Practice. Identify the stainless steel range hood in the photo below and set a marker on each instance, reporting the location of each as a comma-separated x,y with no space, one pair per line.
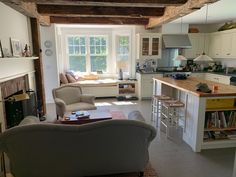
175,41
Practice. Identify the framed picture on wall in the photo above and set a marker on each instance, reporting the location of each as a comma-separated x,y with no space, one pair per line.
15,47
1,51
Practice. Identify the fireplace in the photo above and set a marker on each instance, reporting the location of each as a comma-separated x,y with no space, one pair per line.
15,111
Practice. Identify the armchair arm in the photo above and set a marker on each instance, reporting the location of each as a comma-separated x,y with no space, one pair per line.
60,107
87,98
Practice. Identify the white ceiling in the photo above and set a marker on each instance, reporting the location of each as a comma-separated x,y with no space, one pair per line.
218,12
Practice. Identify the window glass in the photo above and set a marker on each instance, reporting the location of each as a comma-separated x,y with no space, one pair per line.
94,60
123,54
98,53
77,51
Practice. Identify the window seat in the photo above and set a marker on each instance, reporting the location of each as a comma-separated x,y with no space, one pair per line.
99,88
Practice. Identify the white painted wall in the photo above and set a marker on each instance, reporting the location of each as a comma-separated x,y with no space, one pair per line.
50,64
13,25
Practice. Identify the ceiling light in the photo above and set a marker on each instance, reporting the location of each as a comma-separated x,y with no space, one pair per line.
203,56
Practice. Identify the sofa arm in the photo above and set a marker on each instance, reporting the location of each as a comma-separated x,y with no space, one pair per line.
87,98
136,115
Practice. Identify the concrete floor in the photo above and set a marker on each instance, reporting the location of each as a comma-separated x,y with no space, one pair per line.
172,159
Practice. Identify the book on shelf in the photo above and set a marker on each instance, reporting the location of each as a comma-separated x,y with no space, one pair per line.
220,119
230,134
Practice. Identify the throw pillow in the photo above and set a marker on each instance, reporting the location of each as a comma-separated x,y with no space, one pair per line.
70,78
63,79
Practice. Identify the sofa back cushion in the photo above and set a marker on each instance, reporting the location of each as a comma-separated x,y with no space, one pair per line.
78,150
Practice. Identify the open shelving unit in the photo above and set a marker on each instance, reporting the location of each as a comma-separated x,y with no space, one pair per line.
220,125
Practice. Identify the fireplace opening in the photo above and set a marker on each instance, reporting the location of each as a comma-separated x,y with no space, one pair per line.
15,111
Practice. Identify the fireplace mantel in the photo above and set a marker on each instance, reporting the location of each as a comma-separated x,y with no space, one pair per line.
19,58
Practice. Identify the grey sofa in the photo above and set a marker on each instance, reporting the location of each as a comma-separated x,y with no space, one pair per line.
57,150
70,98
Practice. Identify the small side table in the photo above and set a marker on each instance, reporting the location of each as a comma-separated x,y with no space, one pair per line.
2,159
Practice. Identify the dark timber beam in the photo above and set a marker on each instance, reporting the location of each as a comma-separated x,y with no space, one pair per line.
120,3
27,8
99,20
172,13
38,65
59,10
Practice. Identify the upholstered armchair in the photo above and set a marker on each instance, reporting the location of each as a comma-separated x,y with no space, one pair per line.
70,98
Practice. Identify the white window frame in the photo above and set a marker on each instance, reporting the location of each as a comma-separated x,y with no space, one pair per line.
87,48
111,31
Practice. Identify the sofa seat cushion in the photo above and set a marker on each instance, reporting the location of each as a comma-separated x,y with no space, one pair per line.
80,106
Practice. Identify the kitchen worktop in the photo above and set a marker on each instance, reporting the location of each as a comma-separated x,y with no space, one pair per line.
210,72
189,85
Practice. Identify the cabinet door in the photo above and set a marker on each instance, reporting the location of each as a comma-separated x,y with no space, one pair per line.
198,75
145,46
199,44
215,46
155,46
226,50
149,46
233,51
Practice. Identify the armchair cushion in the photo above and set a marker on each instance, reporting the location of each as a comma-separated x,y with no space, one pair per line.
87,98
80,106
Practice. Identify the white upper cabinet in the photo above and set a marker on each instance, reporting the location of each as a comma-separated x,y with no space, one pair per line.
197,40
215,45
222,44
148,46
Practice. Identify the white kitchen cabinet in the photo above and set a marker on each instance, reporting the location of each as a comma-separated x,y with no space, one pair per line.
222,44
215,45
218,78
148,46
197,42
213,77
145,85
198,75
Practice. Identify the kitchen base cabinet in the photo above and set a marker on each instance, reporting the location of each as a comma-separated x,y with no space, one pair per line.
213,77
207,125
145,85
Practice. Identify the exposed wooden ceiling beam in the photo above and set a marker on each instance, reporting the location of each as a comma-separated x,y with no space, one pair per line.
27,8
101,20
59,10
120,3
172,12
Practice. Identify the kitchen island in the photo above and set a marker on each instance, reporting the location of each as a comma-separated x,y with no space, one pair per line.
210,118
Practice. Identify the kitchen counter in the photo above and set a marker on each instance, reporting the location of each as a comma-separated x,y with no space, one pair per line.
189,85
210,72
196,111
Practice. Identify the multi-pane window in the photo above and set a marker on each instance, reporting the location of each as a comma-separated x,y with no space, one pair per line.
98,53
88,53
123,53
77,53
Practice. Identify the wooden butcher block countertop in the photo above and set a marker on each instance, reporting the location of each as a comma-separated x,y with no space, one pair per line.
189,85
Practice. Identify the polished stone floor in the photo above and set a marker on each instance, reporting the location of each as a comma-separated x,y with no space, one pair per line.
172,159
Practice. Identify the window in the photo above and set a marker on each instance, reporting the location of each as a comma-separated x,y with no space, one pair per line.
77,53
123,54
87,53
98,53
